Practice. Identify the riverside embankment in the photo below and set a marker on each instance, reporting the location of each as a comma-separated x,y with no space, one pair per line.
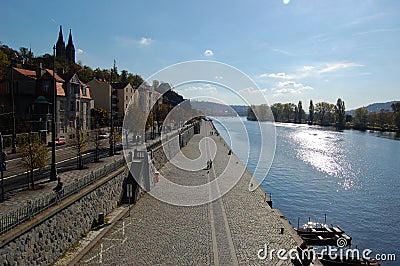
230,230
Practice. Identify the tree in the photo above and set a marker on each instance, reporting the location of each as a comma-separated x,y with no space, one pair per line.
135,119
86,74
80,143
300,112
124,76
277,111
360,118
396,112
99,117
324,112
26,55
340,114
311,113
135,80
251,116
34,154
4,63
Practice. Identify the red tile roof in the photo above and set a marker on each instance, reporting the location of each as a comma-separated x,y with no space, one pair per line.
58,78
102,82
25,72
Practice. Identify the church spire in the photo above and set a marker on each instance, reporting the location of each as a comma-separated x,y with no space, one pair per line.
60,35
60,45
70,38
70,50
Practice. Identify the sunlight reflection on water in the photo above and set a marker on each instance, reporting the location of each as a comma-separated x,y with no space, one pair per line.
323,150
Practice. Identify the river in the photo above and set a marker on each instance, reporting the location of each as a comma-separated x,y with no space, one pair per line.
353,177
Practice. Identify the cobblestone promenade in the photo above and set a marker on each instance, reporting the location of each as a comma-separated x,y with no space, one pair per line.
229,231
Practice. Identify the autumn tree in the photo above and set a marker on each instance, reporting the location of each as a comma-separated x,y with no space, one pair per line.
34,154
396,112
99,117
324,111
360,118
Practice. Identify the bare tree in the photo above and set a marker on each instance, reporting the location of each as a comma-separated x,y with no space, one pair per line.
80,143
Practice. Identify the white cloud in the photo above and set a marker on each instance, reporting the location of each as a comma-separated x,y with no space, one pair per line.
282,52
80,51
375,31
290,87
128,41
145,41
281,75
208,53
285,91
206,88
312,71
336,66
252,90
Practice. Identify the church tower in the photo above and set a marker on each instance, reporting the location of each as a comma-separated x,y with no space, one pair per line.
70,50
60,45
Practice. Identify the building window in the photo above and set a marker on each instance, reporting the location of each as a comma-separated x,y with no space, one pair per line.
46,86
84,91
72,106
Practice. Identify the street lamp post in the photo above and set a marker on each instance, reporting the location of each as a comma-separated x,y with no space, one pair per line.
14,142
111,137
53,170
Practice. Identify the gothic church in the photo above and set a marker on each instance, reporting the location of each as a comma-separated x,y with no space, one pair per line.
63,52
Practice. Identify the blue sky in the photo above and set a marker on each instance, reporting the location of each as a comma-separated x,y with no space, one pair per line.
293,50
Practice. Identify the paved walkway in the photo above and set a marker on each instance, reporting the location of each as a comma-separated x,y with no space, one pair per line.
228,231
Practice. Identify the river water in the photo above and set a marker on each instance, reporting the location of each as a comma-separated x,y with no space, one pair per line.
353,177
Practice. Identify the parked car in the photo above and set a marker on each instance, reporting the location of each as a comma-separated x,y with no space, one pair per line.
104,135
59,141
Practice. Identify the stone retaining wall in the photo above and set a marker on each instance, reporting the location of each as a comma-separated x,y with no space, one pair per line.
171,147
44,243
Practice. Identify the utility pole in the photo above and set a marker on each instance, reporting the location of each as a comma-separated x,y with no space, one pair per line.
3,157
14,142
53,170
111,137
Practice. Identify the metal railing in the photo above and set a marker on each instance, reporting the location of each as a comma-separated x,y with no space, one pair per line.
31,208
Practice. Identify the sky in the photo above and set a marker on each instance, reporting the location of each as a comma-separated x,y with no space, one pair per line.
292,49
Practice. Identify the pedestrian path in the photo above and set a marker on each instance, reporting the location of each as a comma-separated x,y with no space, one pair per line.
230,230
